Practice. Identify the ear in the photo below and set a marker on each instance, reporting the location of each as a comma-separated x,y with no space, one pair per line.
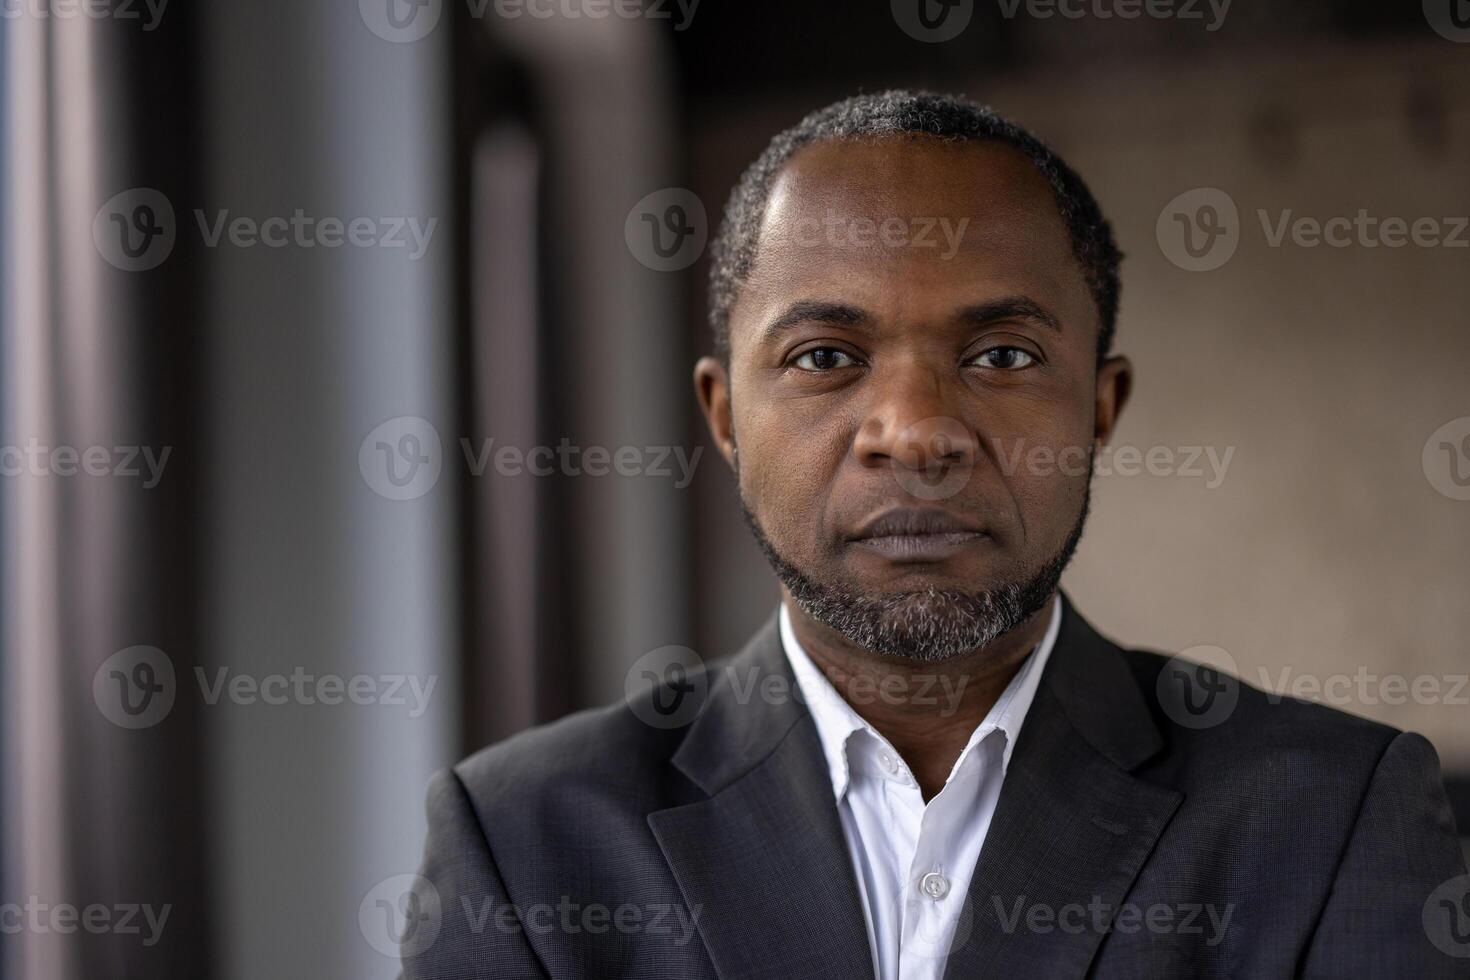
712,386
1114,384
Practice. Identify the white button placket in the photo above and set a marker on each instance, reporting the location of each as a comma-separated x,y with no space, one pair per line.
930,895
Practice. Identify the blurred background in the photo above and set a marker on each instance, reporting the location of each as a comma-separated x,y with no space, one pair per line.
346,421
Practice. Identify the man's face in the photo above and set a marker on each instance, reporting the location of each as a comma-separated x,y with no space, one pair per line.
913,384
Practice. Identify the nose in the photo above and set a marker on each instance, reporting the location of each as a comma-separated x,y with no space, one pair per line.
913,423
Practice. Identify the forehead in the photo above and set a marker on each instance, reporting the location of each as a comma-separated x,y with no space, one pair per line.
916,169
910,226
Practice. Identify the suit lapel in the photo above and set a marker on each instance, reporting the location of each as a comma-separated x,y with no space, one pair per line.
763,858
1072,827
764,861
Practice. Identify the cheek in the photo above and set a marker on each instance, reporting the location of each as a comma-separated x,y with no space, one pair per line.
1046,463
787,469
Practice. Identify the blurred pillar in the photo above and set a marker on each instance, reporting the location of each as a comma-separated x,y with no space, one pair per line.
324,360
103,818
612,551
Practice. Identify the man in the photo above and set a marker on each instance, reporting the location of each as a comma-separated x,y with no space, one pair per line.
928,764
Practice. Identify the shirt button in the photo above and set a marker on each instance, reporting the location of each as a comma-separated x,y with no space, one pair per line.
889,764
935,885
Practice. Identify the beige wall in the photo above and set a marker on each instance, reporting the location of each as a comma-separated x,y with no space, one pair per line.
1325,550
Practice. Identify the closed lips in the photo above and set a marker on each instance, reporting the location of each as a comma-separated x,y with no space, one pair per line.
915,522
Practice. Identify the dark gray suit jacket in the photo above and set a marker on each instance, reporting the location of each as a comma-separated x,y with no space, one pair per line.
1285,839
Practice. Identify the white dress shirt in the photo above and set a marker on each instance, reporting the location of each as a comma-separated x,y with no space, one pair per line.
914,860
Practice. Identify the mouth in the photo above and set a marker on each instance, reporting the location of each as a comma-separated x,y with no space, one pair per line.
917,534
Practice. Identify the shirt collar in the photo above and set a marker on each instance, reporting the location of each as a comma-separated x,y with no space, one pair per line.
837,723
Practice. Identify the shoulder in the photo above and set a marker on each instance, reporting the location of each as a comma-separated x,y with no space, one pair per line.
1222,722
619,755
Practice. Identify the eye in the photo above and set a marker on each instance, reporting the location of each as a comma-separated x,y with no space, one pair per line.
823,359
1005,358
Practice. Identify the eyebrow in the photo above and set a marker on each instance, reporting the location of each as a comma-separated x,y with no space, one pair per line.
1010,308
978,314
818,311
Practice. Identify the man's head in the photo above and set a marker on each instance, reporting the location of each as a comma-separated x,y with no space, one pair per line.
913,302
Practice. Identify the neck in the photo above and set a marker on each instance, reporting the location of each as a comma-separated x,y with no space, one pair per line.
927,711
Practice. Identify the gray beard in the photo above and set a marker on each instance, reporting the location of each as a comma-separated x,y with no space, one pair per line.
928,626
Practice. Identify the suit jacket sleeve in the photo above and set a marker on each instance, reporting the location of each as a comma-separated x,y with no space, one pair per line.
478,933
1402,848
